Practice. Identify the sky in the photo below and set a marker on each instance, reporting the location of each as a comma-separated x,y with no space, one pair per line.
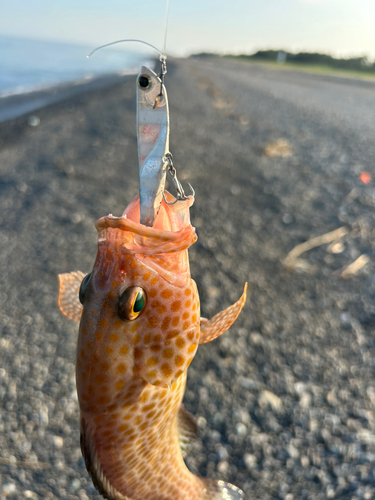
337,27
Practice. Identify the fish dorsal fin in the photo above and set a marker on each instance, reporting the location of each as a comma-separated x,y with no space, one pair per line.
187,429
213,328
68,301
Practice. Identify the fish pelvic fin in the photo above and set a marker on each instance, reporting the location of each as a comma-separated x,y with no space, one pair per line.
187,429
220,490
218,324
69,304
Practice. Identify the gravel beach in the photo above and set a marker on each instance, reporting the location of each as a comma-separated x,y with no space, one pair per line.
285,401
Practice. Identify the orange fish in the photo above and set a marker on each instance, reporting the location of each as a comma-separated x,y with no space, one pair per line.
139,330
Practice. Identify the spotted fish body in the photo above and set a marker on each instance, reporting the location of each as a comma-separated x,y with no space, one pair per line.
131,374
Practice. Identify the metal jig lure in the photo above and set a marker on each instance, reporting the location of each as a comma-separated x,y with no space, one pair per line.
154,157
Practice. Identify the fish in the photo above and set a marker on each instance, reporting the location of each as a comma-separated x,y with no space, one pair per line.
140,329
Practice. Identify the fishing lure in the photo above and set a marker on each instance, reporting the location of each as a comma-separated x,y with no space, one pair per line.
140,328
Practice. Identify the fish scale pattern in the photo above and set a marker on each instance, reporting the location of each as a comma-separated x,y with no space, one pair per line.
131,374
158,346
135,445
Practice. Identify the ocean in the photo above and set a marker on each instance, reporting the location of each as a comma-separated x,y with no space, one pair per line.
34,73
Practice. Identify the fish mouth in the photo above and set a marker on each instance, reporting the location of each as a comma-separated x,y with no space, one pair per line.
161,247
172,231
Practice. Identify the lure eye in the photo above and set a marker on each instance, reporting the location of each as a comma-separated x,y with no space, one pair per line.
83,287
144,82
131,304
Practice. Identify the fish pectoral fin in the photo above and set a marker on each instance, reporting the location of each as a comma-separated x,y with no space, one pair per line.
68,300
220,323
187,429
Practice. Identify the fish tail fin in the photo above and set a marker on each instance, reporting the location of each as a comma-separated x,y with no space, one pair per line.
220,490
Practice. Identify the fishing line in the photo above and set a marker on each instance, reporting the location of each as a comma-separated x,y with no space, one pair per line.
163,55
166,28
126,40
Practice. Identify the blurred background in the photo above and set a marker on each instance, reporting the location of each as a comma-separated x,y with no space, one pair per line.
273,123
340,28
43,43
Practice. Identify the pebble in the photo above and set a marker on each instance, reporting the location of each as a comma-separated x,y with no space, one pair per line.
235,190
292,451
57,441
202,422
75,484
287,218
33,121
83,495
222,453
241,429
223,467
269,398
336,247
43,415
215,435
248,383
8,489
30,494
305,400
250,460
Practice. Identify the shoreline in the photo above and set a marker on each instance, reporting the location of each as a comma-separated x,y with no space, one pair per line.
17,105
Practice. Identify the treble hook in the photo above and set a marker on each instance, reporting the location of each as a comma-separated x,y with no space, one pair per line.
173,173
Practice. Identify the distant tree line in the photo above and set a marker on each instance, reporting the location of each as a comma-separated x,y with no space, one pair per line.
352,63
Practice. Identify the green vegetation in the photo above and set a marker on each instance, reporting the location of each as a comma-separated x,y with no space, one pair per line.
357,67
314,58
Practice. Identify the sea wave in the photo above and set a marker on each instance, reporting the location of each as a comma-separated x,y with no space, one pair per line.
33,65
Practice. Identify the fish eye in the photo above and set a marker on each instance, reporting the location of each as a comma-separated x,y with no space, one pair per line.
83,287
132,302
144,82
